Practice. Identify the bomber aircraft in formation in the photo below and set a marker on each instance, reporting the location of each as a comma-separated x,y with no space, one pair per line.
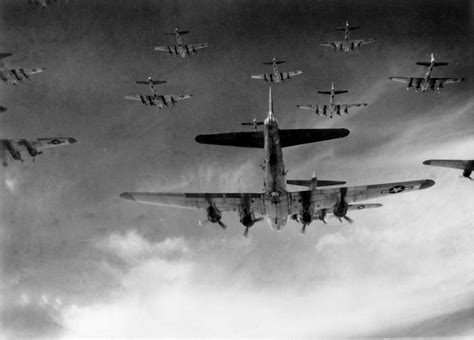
332,108
467,166
156,99
180,49
277,76
427,82
275,202
35,147
347,44
12,75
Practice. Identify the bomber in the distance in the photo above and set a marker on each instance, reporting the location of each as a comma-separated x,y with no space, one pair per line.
332,108
276,203
157,99
276,76
16,75
428,81
34,147
180,49
347,44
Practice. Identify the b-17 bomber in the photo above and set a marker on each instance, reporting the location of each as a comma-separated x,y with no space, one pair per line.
276,76
276,204
156,99
347,44
180,49
427,82
332,108
467,166
15,75
35,147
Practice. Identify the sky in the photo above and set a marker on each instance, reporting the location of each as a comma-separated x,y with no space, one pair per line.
77,261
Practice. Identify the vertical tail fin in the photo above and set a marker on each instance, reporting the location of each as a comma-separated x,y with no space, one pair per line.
432,57
270,102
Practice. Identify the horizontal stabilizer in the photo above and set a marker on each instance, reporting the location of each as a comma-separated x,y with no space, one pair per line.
252,123
255,139
180,32
278,62
350,28
319,183
154,82
428,64
335,92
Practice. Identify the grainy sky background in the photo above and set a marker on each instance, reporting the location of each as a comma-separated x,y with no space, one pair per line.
78,261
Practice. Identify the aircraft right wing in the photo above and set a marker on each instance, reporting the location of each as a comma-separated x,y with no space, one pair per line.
21,73
334,44
289,75
360,42
175,97
168,49
455,164
194,47
222,201
320,110
255,139
439,82
410,81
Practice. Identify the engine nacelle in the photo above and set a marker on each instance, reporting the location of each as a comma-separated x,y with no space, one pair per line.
214,215
247,218
340,210
467,173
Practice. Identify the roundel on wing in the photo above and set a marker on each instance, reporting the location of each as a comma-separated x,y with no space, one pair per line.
396,189
55,142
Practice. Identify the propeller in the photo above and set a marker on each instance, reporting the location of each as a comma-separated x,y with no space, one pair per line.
221,224
246,231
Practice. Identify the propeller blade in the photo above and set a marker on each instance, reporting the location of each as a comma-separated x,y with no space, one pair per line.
303,229
246,232
223,226
258,219
348,219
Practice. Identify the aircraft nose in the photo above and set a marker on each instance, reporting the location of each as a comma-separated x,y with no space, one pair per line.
127,196
427,162
72,140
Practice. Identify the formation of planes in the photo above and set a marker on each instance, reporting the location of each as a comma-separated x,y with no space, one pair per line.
276,204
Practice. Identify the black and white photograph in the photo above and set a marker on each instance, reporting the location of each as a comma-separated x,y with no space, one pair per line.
236,169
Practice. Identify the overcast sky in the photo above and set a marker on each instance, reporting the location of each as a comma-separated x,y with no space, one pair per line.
78,261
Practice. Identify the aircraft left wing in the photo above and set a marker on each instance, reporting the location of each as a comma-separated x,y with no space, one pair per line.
175,97
289,75
194,47
222,201
327,198
439,82
22,73
448,163
41,143
360,42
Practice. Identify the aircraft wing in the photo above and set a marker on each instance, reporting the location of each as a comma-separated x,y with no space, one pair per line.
406,80
145,99
327,198
361,42
288,75
222,201
163,49
255,139
195,47
308,107
42,143
175,97
260,76
443,81
455,164
349,106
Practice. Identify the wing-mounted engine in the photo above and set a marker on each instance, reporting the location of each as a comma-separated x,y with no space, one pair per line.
16,155
214,215
31,150
341,207
467,173
247,215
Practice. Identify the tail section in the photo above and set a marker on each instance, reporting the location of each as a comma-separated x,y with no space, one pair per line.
347,27
177,31
432,62
314,182
270,103
278,62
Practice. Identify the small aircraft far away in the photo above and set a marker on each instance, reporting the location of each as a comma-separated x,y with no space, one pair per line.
34,147
15,75
332,108
180,49
427,82
156,99
277,76
347,44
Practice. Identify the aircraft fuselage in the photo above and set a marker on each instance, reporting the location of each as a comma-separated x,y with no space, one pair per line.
276,198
